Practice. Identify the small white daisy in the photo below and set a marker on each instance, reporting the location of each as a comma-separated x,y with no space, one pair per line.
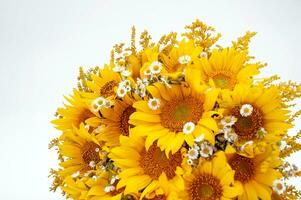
203,55
128,88
121,91
97,149
185,59
199,138
246,110
230,136
92,164
147,72
114,179
261,133
188,128
94,178
118,68
278,186
94,107
190,162
109,188
228,120
206,150
192,153
126,73
107,104
155,67
153,103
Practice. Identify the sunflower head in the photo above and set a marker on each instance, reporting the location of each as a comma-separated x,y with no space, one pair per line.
225,68
257,113
255,169
182,115
150,170
81,152
211,180
74,113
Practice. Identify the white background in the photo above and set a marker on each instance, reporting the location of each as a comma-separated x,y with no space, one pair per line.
42,44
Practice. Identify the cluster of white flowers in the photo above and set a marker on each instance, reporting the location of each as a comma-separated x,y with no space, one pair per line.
185,59
226,128
200,149
110,187
140,87
100,102
123,88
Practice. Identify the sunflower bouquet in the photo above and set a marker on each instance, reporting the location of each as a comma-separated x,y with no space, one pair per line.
178,119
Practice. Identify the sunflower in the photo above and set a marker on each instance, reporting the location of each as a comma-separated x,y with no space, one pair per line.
258,112
211,180
180,56
175,115
225,68
74,114
81,151
148,170
105,83
116,120
255,171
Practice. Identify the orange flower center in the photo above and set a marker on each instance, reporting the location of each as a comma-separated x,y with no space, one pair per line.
205,187
244,168
247,127
108,89
90,153
124,120
177,112
154,162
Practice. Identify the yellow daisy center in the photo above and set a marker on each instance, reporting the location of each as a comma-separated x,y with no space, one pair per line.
108,89
177,112
247,127
223,79
205,187
244,168
154,162
89,152
124,120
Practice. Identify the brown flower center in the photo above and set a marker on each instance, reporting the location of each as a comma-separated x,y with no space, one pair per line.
247,127
223,79
154,162
90,153
205,187
244,168
108,89
177,112
124,120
